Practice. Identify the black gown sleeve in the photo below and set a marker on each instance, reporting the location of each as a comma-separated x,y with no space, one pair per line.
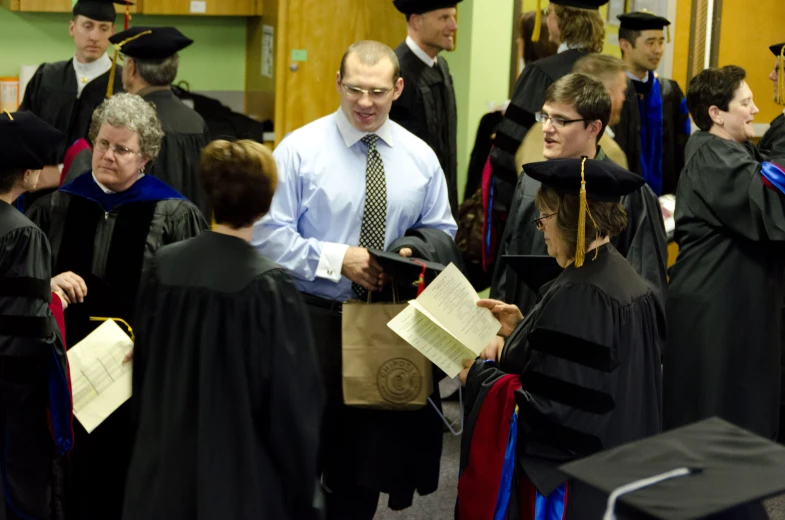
186,223
628,130
30,100
503,276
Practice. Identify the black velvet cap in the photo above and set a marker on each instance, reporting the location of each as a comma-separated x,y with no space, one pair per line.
156,44
581,4
26,141
405,270
709,469
422,6
776,49
605,181
642,21
98,10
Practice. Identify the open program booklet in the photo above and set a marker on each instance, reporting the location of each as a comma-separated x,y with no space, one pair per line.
100,382
444,322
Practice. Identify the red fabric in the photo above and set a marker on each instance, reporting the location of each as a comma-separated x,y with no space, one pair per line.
56,307
488,254
768,184
527,495
421,281
70,154
478,487
57,311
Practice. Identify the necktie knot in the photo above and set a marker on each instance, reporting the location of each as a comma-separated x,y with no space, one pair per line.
371,140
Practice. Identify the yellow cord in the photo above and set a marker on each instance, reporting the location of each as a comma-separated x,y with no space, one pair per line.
9,115
130,330
117,47
537,23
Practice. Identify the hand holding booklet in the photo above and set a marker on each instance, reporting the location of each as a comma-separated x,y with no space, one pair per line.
445,324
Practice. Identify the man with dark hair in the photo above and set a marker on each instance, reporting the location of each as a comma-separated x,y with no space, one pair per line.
665,123
65,93
151,62
349,182
574,117
427,107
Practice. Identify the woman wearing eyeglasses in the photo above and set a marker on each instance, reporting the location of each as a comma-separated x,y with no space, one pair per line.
580,373
103,227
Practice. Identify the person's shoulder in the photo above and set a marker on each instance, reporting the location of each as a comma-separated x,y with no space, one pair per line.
310,134
411,143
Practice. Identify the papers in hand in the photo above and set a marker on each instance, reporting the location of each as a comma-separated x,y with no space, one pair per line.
100,382
445,324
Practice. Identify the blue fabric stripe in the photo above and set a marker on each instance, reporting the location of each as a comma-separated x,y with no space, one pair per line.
508,470
59,404
651,135
774,174
684,110
552,506
488,221
146,189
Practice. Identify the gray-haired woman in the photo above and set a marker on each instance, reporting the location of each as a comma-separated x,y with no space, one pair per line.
103,227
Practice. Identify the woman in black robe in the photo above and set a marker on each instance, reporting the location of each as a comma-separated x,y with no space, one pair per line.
227,387
726,287
104,226
33,367
587,355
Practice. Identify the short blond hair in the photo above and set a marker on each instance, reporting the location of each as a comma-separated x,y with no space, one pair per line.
580,28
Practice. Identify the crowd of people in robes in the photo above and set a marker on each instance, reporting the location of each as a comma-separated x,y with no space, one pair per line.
229,266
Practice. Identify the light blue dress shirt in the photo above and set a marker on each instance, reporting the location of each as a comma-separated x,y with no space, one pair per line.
317,209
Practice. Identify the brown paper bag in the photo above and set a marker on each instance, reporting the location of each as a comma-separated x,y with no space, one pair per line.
380,370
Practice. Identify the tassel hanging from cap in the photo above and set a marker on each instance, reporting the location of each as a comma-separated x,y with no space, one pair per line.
127,13
537,23
10,117
117,48
781,77
420,283
580,245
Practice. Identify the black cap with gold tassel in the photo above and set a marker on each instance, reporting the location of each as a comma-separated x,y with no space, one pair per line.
779,51
117,47
601,181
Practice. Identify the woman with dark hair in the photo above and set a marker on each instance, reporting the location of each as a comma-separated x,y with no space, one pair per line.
581,373
726,287
227,386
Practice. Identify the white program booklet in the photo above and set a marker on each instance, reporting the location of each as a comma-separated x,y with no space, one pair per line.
100,382
445,324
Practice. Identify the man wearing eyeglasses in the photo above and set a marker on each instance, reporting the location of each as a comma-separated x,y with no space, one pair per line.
351,181
574,118
427,106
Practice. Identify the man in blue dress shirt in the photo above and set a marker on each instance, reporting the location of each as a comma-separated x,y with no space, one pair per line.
347,182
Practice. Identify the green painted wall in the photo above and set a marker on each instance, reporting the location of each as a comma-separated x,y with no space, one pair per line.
216,60
480,66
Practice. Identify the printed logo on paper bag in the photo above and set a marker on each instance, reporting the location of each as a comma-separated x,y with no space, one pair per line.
399,381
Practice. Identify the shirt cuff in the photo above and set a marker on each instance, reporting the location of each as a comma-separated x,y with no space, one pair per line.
331,261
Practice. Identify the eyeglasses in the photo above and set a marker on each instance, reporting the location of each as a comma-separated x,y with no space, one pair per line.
376,94
102,145
538,221
557,122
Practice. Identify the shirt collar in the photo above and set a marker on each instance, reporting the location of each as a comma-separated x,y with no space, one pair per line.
351,135
90,71
564,46
610,132
420,53
633,77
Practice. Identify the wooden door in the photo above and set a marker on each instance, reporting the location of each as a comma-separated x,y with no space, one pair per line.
202,7
51,6
305,90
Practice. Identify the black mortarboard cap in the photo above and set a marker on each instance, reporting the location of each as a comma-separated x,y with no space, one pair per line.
708,468
26,141
406,270
98,10
642,21
581,4
408,7
156,43
779,51
776,49
534,270
605,181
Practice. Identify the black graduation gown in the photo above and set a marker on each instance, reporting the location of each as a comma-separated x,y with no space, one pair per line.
527,99
51,95
628,130
427,109
33,370
588,355
393,452
227,391
776,129
726,289
675,133
185,134
107,240
643,242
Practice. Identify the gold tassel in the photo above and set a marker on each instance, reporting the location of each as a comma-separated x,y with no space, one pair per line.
116,320
537,23
580,246
10,117
781,78
117,47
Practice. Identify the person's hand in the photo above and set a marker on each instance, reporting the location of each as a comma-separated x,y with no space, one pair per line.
361,268
128,357
509,315
464,374
61,297
405,252
71,285
494,349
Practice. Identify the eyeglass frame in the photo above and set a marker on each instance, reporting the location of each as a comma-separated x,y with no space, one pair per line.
538,221
542,117
352,91
119,151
